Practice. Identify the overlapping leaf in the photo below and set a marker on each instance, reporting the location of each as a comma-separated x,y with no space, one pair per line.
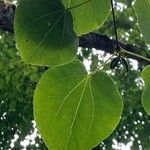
74,110
44,32
146,93
87,14
142,8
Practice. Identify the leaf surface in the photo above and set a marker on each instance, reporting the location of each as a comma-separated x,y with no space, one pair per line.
146,92
74,110
88,15
142,8
44,32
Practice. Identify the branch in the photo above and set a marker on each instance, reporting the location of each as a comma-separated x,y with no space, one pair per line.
91,40
7,11
104,43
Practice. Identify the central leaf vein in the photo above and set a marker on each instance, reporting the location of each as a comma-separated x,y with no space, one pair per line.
77,109
93,115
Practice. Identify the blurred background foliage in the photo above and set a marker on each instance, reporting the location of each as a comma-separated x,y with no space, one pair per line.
18,81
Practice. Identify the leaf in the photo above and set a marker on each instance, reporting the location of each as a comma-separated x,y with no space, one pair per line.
74,110
44,32
88,15
115,62
142,8
146,92
124,63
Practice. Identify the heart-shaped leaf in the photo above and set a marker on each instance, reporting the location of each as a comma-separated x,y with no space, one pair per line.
146,93
44,32
88,15
142,8
74,110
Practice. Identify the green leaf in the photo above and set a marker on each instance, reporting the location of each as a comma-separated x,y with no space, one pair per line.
44,32
88,15
74,110
142,8
146,92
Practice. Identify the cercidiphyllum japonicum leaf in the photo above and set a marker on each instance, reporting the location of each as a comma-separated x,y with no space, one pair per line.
44,32
74,110
146,92
142,9
88,15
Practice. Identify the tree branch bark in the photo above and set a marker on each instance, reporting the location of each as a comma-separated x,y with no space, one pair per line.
7,11
91,40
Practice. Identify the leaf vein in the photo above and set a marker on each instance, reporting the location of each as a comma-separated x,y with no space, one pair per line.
64,78
93,114
45,36
65,100
78,106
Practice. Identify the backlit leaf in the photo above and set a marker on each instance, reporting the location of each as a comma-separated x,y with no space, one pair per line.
73,110
142,8
88,15
146,93
44,32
